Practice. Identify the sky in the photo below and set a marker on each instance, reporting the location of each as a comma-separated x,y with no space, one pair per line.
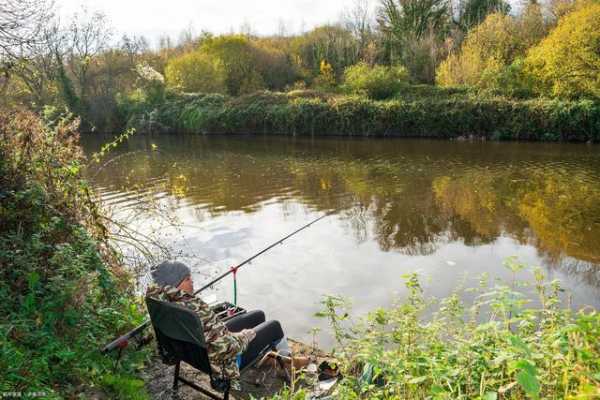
154,18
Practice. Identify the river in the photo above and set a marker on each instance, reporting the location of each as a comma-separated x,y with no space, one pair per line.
450,211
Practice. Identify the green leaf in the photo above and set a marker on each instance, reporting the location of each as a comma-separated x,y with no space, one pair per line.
417,380
490,396
526,366
529,383
519,343
436,389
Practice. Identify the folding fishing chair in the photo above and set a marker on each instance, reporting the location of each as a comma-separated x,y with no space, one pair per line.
180,337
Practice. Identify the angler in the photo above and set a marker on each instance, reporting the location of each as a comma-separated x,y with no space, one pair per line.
226,309
231,345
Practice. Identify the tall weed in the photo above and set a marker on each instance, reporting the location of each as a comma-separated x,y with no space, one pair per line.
496,347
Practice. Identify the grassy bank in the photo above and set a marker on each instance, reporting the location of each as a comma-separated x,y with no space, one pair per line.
494,347
416,112
62,291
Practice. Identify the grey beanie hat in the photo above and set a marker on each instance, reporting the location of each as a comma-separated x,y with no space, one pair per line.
170,273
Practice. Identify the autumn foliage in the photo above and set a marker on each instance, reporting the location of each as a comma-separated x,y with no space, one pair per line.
567,62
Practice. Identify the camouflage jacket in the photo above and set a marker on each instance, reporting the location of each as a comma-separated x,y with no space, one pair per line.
222,345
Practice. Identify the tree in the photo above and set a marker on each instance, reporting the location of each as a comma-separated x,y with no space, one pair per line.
415,30
21,23
559,8
273,63
532,26
196,72
37,71
358,20
473,12
134,46
404,19
326,79
567,62
87,36
332,43
238,58
487,50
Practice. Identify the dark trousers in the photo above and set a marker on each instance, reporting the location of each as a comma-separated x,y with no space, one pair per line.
267,333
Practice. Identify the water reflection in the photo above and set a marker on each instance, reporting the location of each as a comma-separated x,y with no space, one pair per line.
424,201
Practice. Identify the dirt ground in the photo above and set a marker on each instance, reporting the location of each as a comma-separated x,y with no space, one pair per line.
256,382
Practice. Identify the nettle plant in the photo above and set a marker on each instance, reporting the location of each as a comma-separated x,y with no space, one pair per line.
497,347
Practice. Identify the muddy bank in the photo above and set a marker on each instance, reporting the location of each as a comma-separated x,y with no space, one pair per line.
256,382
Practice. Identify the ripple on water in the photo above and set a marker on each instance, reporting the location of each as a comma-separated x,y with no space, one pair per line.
400,206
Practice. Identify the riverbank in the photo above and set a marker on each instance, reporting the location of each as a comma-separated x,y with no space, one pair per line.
64,293
495,346
256,382
420,111
63,290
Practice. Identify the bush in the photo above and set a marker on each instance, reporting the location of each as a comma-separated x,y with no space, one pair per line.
493,347
196,72
62,291
377,82
240,60
487,49
439,112
567,62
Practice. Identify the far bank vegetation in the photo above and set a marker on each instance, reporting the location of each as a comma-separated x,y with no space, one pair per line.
536,61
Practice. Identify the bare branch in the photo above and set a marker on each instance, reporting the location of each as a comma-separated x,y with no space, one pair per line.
21,24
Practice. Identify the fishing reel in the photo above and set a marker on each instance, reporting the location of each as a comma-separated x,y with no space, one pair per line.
226,310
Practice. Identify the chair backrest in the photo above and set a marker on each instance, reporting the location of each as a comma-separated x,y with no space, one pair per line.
179,334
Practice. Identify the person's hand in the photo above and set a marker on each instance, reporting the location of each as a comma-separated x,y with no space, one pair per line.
249,334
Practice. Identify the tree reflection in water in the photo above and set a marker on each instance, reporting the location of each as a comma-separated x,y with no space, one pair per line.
409,196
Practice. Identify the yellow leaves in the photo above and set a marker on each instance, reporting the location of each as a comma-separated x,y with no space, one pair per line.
492,45
567,62
326,74
196,72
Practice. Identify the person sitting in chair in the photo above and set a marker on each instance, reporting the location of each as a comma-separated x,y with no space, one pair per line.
246,334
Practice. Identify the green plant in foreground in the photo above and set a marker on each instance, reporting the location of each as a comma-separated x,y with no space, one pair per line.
497,347
62,291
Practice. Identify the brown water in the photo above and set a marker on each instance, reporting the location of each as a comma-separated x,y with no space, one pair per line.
449,210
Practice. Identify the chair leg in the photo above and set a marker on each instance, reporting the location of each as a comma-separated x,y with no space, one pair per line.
176,376
287,377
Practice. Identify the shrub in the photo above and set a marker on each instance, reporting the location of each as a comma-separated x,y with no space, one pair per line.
62,291
488,48
326,80
511,80
239,58
420,112
377,82
567,62
196,72
493,347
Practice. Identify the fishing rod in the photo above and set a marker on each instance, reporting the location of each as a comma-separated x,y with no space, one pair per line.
233,270
123,341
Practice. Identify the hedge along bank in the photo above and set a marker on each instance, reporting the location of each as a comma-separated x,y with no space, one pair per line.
312,113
